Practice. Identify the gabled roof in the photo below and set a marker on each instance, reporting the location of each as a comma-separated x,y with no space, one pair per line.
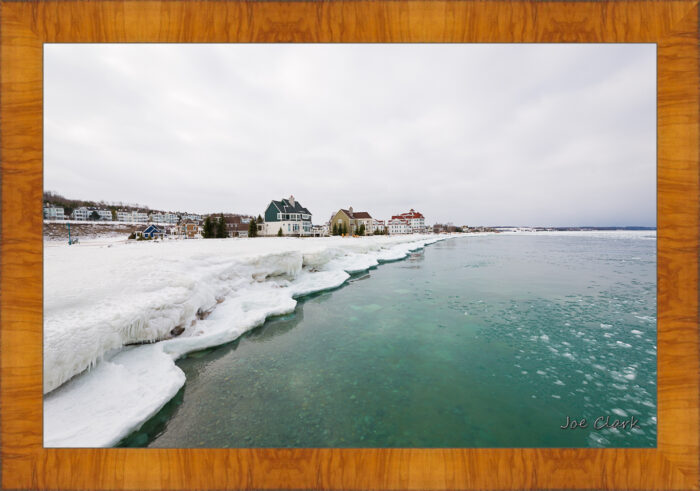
356,214
284,206
362,214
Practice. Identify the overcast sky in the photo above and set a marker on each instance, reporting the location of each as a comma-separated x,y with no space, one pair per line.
471,134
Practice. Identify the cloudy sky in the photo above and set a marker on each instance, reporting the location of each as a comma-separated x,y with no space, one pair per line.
471,134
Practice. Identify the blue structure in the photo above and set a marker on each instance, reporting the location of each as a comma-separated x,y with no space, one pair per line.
153,232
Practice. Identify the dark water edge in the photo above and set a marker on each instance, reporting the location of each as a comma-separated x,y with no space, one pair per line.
157,423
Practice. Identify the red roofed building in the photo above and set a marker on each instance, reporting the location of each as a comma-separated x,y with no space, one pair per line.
414,220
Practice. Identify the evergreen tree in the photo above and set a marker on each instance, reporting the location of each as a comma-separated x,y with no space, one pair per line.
208,231
362,230
345,229
221,232
253,228
279,232
260,220
335,229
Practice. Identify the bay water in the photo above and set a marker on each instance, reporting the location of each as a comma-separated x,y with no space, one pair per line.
476,341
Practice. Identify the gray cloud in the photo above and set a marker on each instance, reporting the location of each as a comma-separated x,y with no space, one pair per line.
473,134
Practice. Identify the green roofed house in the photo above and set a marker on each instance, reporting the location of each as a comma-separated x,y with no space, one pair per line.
289,216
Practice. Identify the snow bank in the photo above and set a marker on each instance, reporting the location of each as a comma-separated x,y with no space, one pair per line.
99,299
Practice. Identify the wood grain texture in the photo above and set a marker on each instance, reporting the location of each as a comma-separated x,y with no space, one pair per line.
25,26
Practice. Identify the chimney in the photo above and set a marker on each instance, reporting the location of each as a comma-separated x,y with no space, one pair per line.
350,209
291,200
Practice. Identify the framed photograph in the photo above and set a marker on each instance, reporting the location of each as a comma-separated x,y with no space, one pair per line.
349,245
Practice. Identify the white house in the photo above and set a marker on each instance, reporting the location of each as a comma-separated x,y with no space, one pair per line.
81,213
320,230
397,226
53,213
169,218
414,220
132,216
105,215
378,226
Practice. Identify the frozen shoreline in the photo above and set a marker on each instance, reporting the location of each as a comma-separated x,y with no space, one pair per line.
102,295
99,299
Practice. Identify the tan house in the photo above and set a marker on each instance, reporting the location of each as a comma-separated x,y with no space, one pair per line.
188,230
351,221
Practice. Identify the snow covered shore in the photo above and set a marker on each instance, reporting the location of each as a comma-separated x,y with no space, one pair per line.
98,299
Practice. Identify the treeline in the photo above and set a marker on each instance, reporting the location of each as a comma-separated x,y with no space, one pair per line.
215,228
68,205
342,229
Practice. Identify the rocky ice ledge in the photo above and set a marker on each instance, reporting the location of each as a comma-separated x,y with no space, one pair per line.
98,299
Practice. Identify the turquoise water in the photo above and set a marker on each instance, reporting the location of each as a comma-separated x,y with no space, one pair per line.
485,341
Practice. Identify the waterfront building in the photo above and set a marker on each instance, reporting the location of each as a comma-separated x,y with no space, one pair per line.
132,216
378,226
152,232
320,230
140,217
81,213
188,230
414,219
236,225
105,215
398,226
53,212
287,215
192,217
168,218
351,221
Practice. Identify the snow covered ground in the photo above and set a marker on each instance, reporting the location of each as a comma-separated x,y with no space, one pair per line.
102,295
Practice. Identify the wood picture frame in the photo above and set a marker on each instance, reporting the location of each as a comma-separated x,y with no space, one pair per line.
26,26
